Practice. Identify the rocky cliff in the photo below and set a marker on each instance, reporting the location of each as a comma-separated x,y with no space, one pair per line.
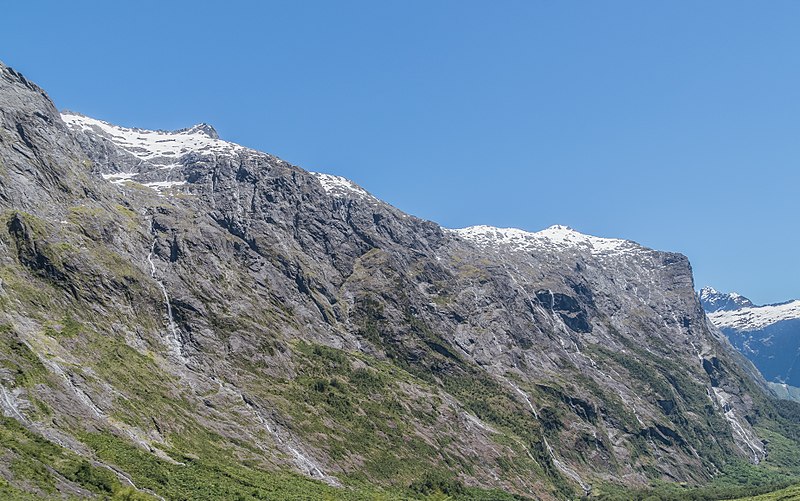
194,319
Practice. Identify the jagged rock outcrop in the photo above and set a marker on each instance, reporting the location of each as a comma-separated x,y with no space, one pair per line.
175,296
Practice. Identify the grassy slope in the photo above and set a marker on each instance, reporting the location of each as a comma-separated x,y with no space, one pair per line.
787,494
41,469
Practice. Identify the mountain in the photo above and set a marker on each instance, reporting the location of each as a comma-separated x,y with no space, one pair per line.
182,317
714,301
769,335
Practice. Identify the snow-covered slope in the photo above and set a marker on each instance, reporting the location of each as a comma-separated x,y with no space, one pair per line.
159,147
160,152
753,318
338,185
556,237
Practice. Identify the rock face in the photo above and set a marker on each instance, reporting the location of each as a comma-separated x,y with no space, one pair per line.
177,297
768,335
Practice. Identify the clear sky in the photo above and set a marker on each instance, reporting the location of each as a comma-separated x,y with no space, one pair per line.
675,124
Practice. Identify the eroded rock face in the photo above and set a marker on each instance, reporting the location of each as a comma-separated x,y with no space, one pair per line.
292,310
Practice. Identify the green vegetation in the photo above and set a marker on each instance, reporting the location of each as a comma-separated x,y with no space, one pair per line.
379,423
210,476
787,494
68,328
738,479
214,475
41,466
17,358
356,403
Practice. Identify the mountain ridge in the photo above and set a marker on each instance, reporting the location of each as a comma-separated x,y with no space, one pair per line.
278,320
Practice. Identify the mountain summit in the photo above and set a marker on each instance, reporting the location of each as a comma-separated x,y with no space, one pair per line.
713,301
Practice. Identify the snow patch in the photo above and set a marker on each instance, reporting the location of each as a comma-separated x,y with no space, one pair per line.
338,186
119,177
161,185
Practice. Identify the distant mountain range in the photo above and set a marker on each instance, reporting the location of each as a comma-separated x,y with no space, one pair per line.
768,335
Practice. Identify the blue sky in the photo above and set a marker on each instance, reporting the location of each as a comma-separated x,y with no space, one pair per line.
675,124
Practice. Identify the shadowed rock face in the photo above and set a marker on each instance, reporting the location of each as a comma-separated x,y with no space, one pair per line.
167,288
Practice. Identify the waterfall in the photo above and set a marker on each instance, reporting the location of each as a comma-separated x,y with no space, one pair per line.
173,336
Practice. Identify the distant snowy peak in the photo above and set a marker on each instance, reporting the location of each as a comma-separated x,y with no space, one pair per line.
557,237
164,148
753,318
713,300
